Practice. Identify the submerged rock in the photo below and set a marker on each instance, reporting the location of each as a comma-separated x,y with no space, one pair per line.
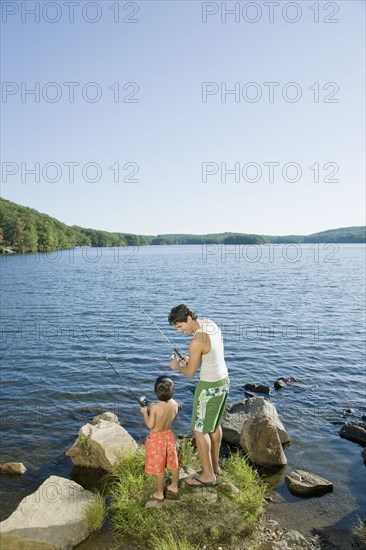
283,382
304,483
13,468
100,444
258,388
52,518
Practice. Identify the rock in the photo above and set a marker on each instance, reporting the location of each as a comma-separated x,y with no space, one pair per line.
296,541
52,518
238,412
100,445
259,388
154,504
304,483
354,431
283,382
110,417
280,383
260,439
229,488
13,468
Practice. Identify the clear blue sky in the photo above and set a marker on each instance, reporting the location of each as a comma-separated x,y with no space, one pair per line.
169,132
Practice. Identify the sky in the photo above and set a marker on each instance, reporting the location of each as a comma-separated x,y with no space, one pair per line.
176,116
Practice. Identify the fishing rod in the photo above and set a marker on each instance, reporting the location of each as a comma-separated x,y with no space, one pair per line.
140,398
176,350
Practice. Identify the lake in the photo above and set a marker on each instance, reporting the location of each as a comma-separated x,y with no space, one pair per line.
284,310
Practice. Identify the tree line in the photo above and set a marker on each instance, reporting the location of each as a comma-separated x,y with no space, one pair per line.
24,229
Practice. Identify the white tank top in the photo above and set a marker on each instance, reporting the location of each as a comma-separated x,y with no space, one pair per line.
213,367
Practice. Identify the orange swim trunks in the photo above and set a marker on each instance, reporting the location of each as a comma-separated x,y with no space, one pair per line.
161,453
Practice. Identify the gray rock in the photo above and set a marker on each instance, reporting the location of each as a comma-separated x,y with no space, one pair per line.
238,412
109,416
100,445
13,468
229,488
354,431
304,483
260,439
52,518
280,383
296,541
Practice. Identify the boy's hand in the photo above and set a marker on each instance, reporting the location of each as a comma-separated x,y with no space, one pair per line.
143,410
174,364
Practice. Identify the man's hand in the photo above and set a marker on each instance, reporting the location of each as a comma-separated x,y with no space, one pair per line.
143,410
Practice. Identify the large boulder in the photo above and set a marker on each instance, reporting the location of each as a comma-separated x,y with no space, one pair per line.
255,425
52,518
100,444
259,438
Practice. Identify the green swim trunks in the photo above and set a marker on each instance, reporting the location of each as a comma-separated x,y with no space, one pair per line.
209,404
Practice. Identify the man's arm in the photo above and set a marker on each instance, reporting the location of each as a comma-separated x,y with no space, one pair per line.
193,361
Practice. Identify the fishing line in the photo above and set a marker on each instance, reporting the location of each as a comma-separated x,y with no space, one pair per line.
140,398
176,350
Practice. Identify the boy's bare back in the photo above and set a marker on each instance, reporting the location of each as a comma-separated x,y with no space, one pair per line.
162,415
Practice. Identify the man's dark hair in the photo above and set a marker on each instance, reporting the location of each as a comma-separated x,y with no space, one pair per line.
164,388
180,314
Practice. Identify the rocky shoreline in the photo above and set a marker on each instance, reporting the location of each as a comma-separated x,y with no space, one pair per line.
252,423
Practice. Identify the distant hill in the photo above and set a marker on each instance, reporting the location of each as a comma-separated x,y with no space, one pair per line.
24,229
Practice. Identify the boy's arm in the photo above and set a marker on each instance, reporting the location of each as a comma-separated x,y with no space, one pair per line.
149,418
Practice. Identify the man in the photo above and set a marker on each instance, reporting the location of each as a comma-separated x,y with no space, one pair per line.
206,350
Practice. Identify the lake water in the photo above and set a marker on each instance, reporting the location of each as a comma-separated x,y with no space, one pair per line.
287,310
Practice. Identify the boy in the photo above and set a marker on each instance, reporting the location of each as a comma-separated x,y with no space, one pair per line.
161,450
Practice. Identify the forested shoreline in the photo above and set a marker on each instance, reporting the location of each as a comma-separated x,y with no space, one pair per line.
24,229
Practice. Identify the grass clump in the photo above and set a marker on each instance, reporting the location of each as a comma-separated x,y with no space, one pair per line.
96,512
171,543
206,515
187,454
360,534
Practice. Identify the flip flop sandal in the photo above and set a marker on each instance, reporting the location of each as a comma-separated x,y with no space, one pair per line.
152,497
202,483
171,494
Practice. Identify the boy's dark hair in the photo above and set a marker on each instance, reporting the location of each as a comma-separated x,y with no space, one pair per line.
164,388
180,314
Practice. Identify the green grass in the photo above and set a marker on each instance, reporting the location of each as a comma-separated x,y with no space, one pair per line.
189,522
187,454
96,512
171,543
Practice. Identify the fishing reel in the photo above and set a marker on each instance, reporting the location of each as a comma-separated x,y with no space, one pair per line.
143,401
